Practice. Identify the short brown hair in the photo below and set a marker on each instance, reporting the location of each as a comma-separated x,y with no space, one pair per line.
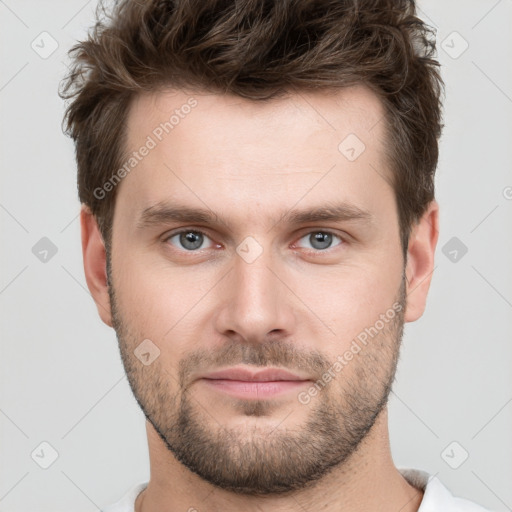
257,49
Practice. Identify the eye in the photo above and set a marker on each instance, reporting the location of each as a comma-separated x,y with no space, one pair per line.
188,239
191,240
321,240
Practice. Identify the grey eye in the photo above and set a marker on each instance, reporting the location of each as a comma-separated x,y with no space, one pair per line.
320,240
189,240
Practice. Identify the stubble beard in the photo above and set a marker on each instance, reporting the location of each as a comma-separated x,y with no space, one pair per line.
265,460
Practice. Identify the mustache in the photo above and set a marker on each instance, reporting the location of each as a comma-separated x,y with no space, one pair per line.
272,353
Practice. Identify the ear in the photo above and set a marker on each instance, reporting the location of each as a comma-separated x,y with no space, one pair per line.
95,263
420,261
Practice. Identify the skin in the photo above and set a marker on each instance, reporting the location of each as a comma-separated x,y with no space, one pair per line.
250,163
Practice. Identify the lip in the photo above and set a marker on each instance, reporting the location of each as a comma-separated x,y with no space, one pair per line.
242,374
256,385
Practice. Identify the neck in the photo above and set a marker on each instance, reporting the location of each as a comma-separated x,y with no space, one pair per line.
367,481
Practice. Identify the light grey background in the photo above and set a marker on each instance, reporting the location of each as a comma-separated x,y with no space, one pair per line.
61,376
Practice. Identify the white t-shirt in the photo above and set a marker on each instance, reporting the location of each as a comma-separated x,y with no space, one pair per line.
436,498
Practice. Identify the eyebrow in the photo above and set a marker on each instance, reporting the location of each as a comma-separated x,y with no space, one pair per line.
164,213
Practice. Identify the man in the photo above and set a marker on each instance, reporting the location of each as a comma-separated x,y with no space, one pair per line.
258,222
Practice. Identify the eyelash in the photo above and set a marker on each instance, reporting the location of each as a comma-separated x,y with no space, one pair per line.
315,251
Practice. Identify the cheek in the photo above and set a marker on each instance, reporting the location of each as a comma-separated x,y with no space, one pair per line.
156,300
351,298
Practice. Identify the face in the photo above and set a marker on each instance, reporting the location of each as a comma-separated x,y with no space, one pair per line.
257,281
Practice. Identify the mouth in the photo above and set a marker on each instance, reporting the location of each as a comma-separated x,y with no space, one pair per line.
263,384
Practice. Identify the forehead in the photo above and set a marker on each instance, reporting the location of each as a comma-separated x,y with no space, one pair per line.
214,147
330,110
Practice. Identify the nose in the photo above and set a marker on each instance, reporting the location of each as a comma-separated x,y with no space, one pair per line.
255,301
